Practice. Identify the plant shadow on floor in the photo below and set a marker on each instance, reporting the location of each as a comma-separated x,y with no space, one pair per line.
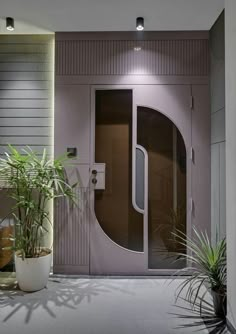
200,316
60,293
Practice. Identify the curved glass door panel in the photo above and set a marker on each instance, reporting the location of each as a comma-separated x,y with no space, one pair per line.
113,146
166,186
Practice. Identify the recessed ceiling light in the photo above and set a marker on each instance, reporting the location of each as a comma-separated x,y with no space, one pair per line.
139,23
10,23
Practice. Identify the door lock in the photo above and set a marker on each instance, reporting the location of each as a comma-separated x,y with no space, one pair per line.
94,173
97,176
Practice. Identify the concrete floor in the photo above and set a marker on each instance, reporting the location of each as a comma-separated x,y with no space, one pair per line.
99,306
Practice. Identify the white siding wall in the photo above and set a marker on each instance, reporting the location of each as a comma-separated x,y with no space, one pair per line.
26,99
26,70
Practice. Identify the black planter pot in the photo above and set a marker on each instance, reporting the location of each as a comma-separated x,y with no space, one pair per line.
219,303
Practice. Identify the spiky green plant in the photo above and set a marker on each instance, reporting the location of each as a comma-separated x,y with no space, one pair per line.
32,182
207,265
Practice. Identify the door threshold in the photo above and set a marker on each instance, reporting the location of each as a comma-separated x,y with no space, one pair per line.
64,276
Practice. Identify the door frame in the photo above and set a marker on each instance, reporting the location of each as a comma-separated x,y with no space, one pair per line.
93,89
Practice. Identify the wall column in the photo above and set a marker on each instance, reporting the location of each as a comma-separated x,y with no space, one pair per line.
230,59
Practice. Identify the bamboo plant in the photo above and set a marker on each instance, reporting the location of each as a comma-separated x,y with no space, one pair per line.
33,181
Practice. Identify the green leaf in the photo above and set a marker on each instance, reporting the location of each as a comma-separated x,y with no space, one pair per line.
209,264
33,182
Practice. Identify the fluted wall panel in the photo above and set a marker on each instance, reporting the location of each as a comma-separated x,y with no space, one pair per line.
71,232
187,57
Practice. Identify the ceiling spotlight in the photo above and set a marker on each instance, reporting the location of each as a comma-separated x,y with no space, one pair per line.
10,23
139,23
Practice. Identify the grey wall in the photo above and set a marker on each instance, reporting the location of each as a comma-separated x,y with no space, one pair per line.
26,69
230,57
217,57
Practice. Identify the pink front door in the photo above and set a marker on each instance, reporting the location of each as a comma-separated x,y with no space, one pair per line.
144,170
144,135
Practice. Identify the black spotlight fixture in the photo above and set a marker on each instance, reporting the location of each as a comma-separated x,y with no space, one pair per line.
139,23
10,23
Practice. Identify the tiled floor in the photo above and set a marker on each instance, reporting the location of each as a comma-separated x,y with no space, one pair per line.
99,306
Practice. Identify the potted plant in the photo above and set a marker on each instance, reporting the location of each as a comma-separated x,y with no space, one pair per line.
208,268
33,181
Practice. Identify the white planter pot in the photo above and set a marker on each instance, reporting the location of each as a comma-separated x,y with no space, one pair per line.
32,273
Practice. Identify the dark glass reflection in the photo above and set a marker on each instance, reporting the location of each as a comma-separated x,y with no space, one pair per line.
113,145
166,184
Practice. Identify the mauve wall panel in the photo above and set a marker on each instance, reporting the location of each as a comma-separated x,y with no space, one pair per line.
72,129
118,57
104,58
71,232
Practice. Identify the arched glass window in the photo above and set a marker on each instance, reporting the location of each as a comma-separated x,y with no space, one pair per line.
166,186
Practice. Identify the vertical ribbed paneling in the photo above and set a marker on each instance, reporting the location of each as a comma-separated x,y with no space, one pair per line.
217,79
26,74
71,231
126,57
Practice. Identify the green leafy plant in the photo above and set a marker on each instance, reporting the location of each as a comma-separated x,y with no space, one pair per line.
207,266
33,181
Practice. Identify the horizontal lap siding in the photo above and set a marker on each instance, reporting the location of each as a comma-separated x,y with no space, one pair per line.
23,94
24,67
25,122
25,113
25,140
35,148
26,74
26,84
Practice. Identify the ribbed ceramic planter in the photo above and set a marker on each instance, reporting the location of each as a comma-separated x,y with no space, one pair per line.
32,273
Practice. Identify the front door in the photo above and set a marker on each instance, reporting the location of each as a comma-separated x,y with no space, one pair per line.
141,162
